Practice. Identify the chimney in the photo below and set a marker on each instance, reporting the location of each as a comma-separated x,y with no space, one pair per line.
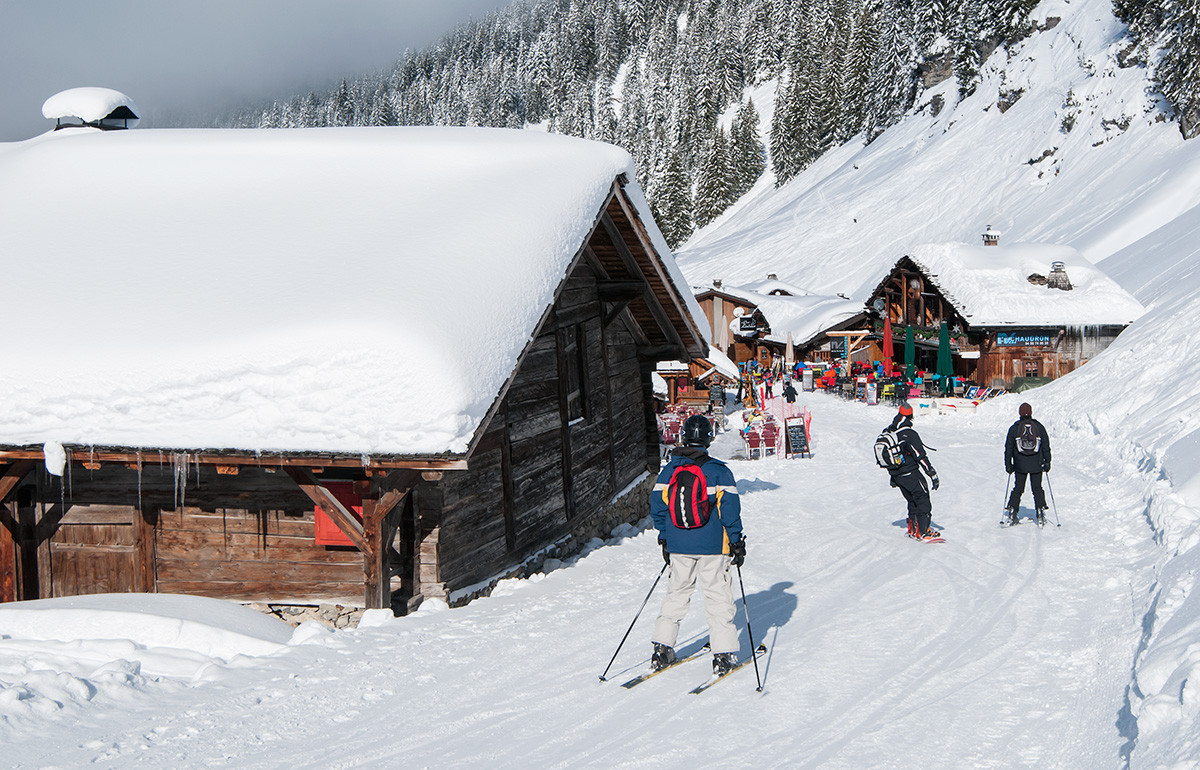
1058,277
716,283
772,277
991,237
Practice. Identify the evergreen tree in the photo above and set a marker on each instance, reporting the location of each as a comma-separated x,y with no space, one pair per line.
673,195
746,152
715,184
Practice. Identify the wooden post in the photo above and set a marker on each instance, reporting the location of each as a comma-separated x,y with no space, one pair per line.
9,529
377,580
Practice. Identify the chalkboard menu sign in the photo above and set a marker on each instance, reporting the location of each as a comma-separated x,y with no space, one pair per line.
797,437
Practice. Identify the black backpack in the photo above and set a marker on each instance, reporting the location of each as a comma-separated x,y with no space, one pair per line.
1029,441
889,453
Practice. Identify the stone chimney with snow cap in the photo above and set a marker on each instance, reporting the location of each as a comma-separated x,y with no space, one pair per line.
991,237
101,108
1058,278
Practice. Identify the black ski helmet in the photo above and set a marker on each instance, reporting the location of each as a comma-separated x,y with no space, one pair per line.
697,431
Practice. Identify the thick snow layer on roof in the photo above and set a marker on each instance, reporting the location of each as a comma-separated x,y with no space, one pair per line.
802,314
990,285
361,290
89,104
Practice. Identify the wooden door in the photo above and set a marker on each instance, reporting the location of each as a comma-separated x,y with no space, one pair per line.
92,549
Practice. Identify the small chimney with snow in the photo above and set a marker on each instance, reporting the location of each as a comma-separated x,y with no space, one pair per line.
772,277
101,108
991,237
1058,277
716,283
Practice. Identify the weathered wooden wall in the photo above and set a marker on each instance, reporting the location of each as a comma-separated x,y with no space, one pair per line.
1071,349
519,496
248,536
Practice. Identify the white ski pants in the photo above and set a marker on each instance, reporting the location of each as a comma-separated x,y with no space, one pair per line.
712,572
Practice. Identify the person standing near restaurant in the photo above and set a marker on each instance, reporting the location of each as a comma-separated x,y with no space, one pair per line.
906,475
697,512
789,392
1026,454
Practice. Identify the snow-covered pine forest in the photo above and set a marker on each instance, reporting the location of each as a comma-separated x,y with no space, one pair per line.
674,81
657,76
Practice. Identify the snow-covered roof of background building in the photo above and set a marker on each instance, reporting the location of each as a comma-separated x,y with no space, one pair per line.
990,285
800,313
89,104
362,290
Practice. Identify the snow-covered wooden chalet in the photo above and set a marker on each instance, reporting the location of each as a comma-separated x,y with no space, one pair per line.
328,364
1020,311
754,321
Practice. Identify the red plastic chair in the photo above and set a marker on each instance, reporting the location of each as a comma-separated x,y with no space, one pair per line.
754,443
770,439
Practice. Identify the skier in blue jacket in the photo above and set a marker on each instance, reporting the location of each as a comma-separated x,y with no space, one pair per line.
701,553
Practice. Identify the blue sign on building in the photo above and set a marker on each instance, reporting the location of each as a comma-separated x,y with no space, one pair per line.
1024,339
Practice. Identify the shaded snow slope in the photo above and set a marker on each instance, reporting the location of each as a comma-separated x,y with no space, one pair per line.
999,648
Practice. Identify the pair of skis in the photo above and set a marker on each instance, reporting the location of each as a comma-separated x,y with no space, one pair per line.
702,652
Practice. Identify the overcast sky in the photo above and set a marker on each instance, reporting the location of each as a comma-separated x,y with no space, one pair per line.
202,57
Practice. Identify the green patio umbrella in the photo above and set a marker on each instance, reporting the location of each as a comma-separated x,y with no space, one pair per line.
910,353
945,367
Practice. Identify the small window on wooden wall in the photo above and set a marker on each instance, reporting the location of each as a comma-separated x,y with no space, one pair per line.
572,348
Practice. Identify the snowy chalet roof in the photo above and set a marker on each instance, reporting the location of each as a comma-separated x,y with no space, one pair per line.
801,313
990,287
91,105
354,290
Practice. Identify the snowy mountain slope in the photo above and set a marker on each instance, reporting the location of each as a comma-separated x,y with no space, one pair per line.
1098,187
1082,159
1000,648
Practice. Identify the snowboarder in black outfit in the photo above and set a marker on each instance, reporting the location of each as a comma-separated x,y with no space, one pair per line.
1027,453
908,475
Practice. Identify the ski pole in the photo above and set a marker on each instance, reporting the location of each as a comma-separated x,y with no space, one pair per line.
1050,486
635,619
753,649
1007,486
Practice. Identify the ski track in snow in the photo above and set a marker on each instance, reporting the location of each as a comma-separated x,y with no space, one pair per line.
1000,648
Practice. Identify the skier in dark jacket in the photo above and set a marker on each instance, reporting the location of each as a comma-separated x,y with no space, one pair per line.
789,392
702,553
1026,453
908,476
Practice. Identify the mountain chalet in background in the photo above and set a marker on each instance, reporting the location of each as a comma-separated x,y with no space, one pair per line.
1024,311
375,364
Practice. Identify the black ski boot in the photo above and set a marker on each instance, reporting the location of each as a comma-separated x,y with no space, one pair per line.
1041,517
1010,517
723,663
663,656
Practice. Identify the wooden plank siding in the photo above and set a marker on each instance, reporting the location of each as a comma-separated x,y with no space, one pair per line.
483,533
249,537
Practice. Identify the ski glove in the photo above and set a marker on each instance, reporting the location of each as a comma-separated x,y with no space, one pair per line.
666,553
1008,469
738,552
933,479
1046,467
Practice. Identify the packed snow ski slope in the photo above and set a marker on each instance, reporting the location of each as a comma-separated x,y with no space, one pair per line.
999,648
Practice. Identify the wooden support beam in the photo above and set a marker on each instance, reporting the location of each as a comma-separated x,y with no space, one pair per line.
648,296
265,461
337,513
656,262
618,291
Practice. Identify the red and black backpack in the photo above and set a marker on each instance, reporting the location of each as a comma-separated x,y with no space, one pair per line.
687,497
